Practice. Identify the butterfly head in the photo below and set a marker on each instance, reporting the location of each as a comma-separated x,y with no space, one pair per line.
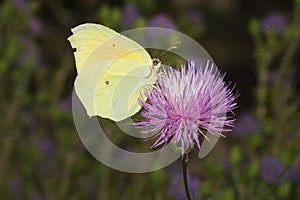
156,63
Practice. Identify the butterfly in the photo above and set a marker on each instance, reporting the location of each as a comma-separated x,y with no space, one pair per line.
113,71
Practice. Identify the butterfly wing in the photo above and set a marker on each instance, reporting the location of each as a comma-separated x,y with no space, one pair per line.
111,93
87,37
113,71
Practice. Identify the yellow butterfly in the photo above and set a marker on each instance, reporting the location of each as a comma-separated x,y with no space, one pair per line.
113,71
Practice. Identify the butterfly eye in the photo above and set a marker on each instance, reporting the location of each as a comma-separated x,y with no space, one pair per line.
106,82
155,61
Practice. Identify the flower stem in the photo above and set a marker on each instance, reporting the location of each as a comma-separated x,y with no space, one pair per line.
184,172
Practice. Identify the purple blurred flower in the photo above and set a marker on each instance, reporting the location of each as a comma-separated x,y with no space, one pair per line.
177,190
161,20
47,147
246,124
130,14
274,22
48,162
66,104
21,4
184,104
270,168
293,174
225,161
35,25
196,19
15,185
272,77
28,48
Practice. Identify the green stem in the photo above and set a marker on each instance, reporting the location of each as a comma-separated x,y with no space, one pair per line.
281,94
263,71
185,179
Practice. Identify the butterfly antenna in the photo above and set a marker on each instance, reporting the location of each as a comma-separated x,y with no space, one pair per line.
171,47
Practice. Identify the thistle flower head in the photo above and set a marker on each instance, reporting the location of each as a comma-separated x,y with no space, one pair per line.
185,105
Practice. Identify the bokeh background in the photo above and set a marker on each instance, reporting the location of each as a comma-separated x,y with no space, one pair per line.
255,42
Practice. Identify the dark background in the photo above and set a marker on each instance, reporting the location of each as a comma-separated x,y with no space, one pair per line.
255,42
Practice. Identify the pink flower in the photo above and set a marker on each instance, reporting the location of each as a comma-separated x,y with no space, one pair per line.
185,105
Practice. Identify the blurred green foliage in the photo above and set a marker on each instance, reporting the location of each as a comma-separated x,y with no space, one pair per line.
41,155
